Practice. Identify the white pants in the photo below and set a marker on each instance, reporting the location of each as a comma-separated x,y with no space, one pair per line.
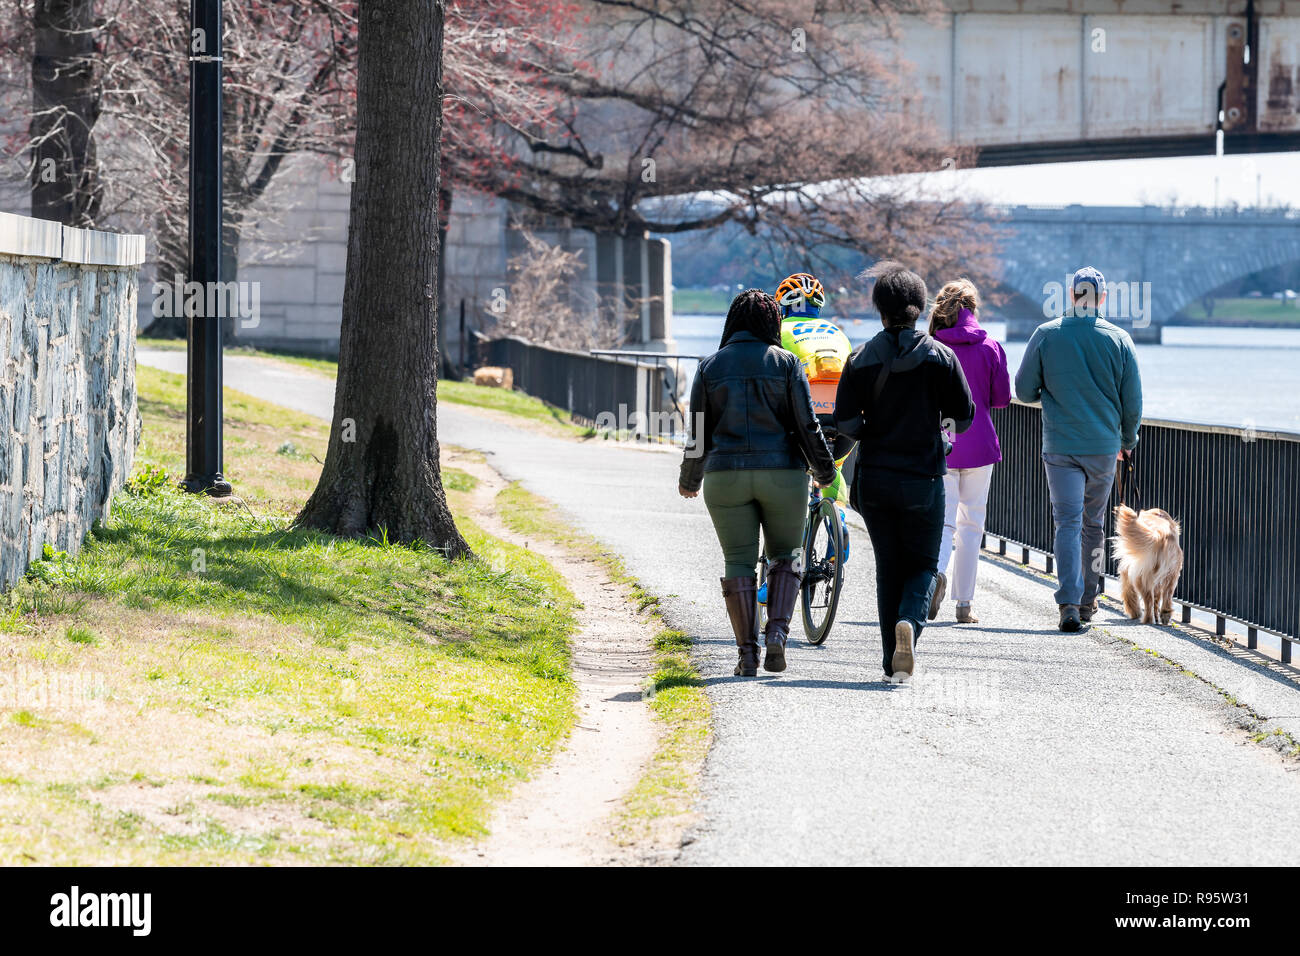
966,496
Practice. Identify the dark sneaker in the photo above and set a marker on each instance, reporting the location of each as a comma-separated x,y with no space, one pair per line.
1086,611
1070,619
940,590
904,660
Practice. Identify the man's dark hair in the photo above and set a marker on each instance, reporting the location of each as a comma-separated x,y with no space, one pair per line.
898,294
756,312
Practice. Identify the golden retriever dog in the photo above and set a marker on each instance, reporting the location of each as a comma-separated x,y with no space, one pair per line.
1150,561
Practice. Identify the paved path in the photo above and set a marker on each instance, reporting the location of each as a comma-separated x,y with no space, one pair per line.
1017,745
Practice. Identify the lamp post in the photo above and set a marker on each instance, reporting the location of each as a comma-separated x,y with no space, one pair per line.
203,381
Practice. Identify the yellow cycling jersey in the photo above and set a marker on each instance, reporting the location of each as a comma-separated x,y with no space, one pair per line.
822,349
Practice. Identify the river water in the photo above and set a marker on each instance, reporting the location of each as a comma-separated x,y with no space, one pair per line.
1223,376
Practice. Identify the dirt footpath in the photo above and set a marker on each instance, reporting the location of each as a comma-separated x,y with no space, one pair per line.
564,814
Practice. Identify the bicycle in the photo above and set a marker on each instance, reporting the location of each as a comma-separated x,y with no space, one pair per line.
823,571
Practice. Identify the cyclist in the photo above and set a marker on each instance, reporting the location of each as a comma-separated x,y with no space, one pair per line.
822,350
753,439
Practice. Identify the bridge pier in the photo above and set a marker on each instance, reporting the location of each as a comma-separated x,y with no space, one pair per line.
1150,335
634,280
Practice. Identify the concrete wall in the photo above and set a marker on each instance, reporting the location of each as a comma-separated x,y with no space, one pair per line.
478,251
294,246
300,257
68,418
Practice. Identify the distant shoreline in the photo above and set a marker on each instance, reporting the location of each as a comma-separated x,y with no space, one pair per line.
1234,322
1237,313
1224,322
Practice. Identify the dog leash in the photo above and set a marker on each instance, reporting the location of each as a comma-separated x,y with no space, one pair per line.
1126,475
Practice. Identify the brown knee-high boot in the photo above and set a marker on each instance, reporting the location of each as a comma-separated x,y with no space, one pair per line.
782,592
740,596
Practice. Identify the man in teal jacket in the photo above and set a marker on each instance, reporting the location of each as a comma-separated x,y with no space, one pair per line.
1085,371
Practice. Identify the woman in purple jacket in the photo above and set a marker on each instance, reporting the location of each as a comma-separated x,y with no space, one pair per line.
975,451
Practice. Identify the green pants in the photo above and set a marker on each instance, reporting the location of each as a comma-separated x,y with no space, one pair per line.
739,502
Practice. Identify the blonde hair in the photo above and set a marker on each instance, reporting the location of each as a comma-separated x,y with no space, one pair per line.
952,298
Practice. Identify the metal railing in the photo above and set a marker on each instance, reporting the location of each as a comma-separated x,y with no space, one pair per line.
670,424
1236,493
599,391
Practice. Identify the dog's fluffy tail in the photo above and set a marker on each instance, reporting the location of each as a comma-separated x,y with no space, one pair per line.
1135,536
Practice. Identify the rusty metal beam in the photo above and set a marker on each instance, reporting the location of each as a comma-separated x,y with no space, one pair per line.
1155,147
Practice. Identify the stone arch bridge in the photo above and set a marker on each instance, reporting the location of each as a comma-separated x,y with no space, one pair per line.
1156,260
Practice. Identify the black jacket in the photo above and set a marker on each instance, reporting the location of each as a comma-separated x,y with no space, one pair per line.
925,392
751,407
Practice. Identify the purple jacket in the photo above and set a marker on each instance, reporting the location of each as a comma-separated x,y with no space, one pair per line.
985,365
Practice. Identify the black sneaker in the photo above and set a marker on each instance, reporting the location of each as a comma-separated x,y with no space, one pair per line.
1086,611
1070,619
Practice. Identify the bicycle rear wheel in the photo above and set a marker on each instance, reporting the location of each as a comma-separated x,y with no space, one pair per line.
823,570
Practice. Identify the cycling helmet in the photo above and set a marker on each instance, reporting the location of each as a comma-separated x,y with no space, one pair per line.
800,292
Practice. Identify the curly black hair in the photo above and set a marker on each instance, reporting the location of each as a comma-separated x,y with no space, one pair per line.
898,294
756,312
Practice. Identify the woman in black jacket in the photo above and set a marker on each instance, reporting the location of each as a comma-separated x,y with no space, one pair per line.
898,394
753,438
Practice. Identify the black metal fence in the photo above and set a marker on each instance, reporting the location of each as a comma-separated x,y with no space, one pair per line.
1236,493
598,390
671,379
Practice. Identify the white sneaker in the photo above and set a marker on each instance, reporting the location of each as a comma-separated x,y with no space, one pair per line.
904,661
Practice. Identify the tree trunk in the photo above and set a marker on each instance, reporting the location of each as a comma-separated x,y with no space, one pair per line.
381,470
65,108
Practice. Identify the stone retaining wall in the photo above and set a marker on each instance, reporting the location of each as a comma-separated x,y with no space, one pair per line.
68,418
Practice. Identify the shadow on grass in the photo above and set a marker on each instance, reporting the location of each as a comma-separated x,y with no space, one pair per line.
678,680
156,409
169,548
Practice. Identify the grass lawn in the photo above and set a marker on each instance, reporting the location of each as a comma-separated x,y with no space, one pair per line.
511,403
701,301
461,393
326,366
204,684
1244,311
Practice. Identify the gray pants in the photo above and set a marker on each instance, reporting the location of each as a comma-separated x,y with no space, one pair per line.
1080,487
